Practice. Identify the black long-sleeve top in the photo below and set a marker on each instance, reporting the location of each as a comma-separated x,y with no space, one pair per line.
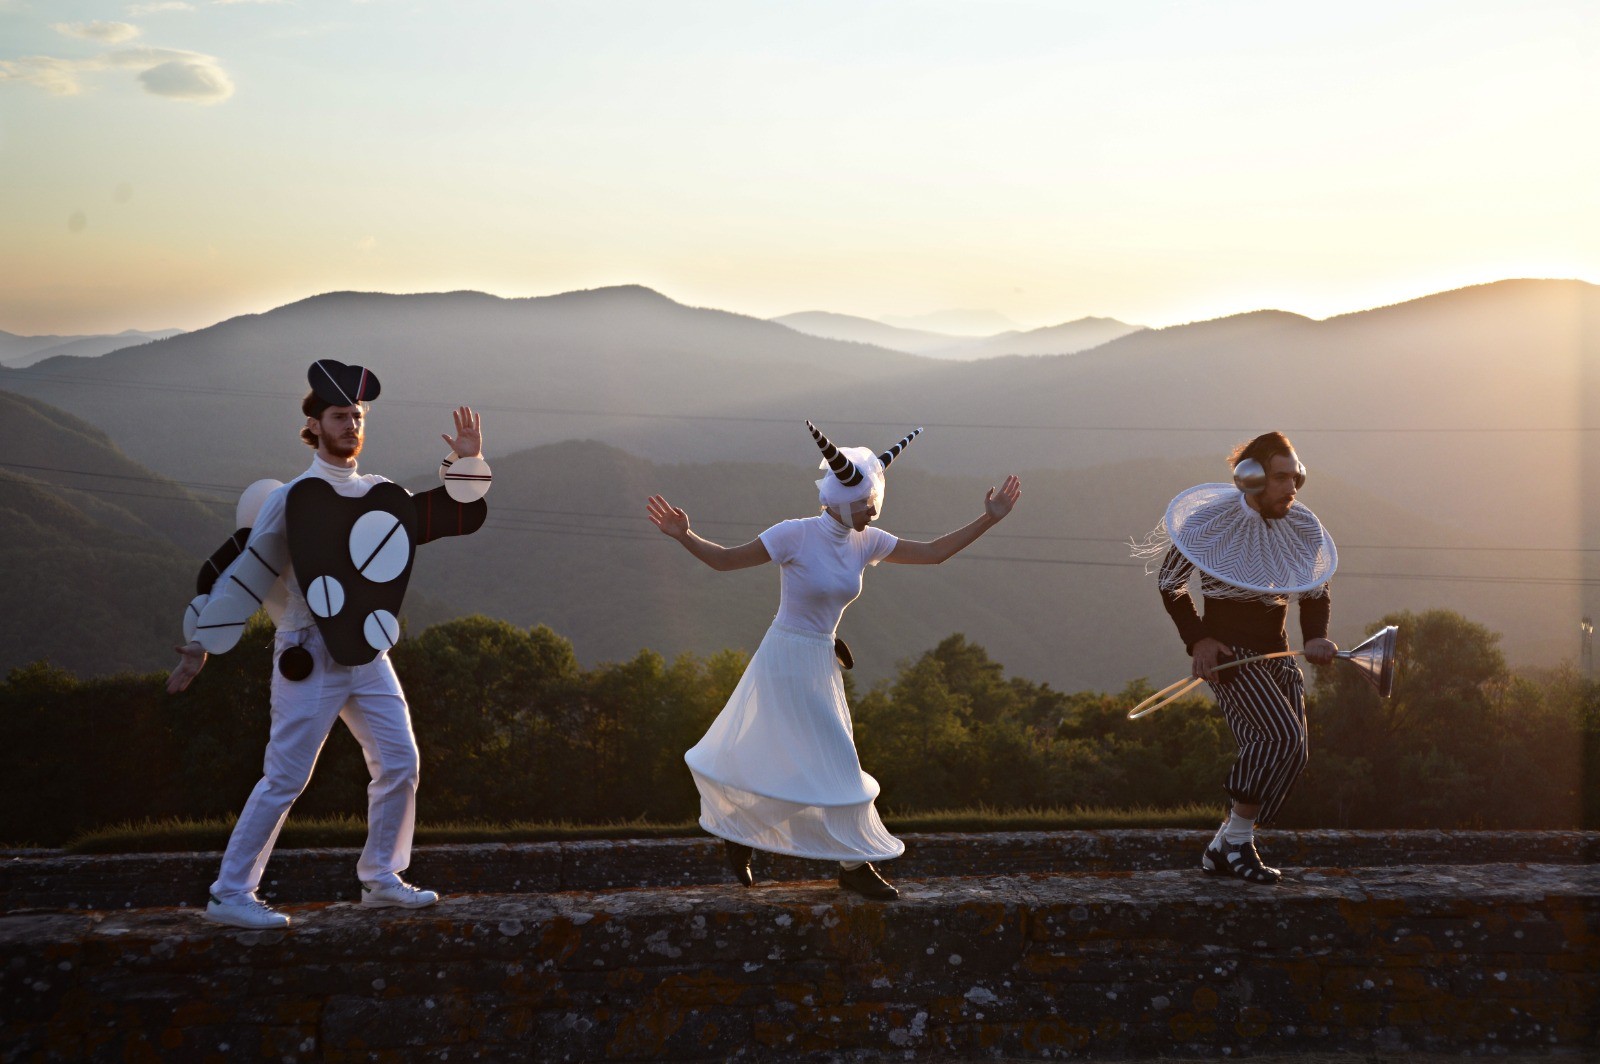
1253,624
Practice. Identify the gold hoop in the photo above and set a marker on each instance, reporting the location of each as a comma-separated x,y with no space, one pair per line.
1174,691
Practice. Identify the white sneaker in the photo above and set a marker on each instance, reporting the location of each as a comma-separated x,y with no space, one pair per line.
396,895
245,911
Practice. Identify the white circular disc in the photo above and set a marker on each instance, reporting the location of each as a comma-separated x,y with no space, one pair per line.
325,596
382,630
249,508
379,546
468,479
191,615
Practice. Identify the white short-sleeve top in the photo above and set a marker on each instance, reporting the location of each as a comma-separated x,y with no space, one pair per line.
821,562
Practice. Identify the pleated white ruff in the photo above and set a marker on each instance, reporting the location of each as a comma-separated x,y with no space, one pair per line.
778,771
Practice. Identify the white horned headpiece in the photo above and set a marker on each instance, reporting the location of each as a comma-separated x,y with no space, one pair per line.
857,471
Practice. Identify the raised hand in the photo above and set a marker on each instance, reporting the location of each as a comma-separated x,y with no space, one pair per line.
468,441
190,658
999,502
667,517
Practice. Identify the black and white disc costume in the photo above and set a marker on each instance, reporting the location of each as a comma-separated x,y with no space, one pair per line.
332,550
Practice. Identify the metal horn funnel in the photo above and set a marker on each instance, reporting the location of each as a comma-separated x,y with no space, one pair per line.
1374,657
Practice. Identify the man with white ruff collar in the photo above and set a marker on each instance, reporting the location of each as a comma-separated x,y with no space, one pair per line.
777,770
1255,548
329,555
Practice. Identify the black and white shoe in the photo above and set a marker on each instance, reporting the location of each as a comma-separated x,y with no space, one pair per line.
739,862
395,894
244,910
865,881
1223,858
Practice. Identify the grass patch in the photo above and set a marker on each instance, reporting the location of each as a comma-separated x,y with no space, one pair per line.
187,836
1055,818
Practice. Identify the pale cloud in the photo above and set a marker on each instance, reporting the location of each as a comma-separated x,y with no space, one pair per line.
107,32
177,74
59,77
197,82
135,10
169,72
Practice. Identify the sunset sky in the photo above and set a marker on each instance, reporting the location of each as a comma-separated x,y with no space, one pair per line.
170,163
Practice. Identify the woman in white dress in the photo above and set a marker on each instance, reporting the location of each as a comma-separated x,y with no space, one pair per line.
777,770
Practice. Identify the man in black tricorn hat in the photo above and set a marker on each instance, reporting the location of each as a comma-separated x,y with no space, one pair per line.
329,555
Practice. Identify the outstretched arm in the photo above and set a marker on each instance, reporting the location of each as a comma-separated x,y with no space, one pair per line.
191,659
675,523
996,504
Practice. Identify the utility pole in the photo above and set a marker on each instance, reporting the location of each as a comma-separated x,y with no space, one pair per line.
1586,661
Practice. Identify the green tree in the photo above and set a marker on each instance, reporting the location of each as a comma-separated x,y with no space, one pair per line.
1463,742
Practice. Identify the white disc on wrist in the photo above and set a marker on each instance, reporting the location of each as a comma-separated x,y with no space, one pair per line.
468,479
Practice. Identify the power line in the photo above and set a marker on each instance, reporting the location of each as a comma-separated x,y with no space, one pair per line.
502,510
536,526
759,419
1342,574
122,476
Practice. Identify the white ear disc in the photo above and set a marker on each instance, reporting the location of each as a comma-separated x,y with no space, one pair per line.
382,630
467,479
325,596
379,546
249,508
191,615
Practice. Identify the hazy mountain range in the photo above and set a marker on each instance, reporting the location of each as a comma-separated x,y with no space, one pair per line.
1065,339
102,562
19,351
1467,416
957,322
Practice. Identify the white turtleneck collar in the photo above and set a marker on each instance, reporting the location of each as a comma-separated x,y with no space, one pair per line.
836,529
328,471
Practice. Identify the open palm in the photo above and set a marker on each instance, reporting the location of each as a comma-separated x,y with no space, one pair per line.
999,502
667,517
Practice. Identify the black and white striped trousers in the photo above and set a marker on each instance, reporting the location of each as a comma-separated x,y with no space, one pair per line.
1265,706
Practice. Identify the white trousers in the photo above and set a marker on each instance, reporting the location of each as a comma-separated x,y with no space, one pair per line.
369,701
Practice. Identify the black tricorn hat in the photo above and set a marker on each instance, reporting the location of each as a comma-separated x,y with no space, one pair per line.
340,385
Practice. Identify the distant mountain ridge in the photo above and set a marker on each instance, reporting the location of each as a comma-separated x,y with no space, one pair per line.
1064,339
960,322
97,577
100,552
19,351
561,361
1475,408
867,331
1068,338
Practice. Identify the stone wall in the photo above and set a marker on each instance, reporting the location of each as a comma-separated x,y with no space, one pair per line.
35,880
1104,963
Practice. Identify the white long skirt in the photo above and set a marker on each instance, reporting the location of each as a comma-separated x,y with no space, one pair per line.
778,771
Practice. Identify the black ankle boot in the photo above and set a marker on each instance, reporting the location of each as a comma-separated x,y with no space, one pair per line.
866,881
739,862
